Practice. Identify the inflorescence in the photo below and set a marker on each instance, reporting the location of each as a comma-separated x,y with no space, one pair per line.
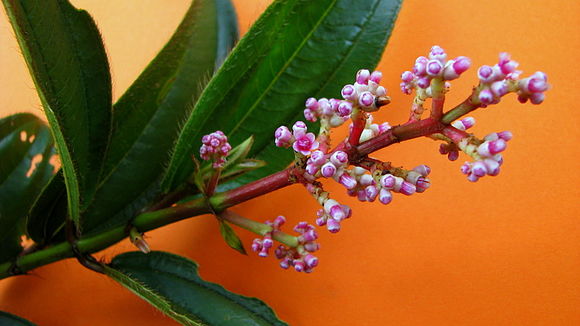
370,179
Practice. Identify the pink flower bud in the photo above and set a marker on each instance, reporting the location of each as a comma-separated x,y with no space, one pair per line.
486,97
256,245
298,265
339,158
347,181
422,169
453,155
466,168
491,166
328,170
344,108
434,67
299,127
499,88
490,148
362,76
311,169
407,188
309,115
371,193
420,67
385,196
285,263
311,103
472,177
325,107
423,82
423,184
537,98
388,181
407,76
333,225
311,261
283,136
384,127
444,148
376,77
366,99
505,135
317,158
478,169
485,74
348,92
311,246
381,91
459,66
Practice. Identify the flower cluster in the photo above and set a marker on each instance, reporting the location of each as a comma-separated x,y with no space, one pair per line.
300,256
371,180
436,66
215,147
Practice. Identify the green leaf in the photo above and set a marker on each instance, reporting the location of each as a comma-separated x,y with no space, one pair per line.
46,219
231,238
65,55
172,285
7,319
148,117
26,148
297,49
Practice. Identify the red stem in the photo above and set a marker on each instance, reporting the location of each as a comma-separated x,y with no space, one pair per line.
358,125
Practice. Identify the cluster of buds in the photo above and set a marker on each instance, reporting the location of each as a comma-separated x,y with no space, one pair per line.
487,155
369,179
302,142
502,78
366,93
300,256
436,66
215,147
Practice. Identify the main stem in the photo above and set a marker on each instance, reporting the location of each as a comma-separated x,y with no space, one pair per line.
219,202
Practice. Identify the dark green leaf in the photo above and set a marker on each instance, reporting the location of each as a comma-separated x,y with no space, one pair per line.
7,319
171,284
64,52
148,117
26,148
231,238
47,216
297,49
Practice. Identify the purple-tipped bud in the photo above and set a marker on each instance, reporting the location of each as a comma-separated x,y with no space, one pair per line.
505,135
371,193
485,74
337,213
267,243
339,158
333,225
453,155
376,77
499,88
423,82
311,246
423,184
444,148
388,181
321,221
491,166
490,148
366,99
384,127
328,170
362,76
472,177
422,169
420,67
486,97
312,168
256,245
478,169
311,261
407,76
537,98
407,188
365,180
309,115
347,181
317,158
285,263
325,107
434,67
280,252
454,70
283,136
299,127
344,108
298,265
311,103
385,196
348,92
466,168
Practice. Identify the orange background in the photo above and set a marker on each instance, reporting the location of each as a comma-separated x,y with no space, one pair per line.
503,251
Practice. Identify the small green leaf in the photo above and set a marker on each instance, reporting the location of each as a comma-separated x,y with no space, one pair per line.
26,148
66,58
297,49
172,285
46,219
231,238
148,117
7,319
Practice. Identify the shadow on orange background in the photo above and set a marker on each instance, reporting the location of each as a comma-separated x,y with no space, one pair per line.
503,251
